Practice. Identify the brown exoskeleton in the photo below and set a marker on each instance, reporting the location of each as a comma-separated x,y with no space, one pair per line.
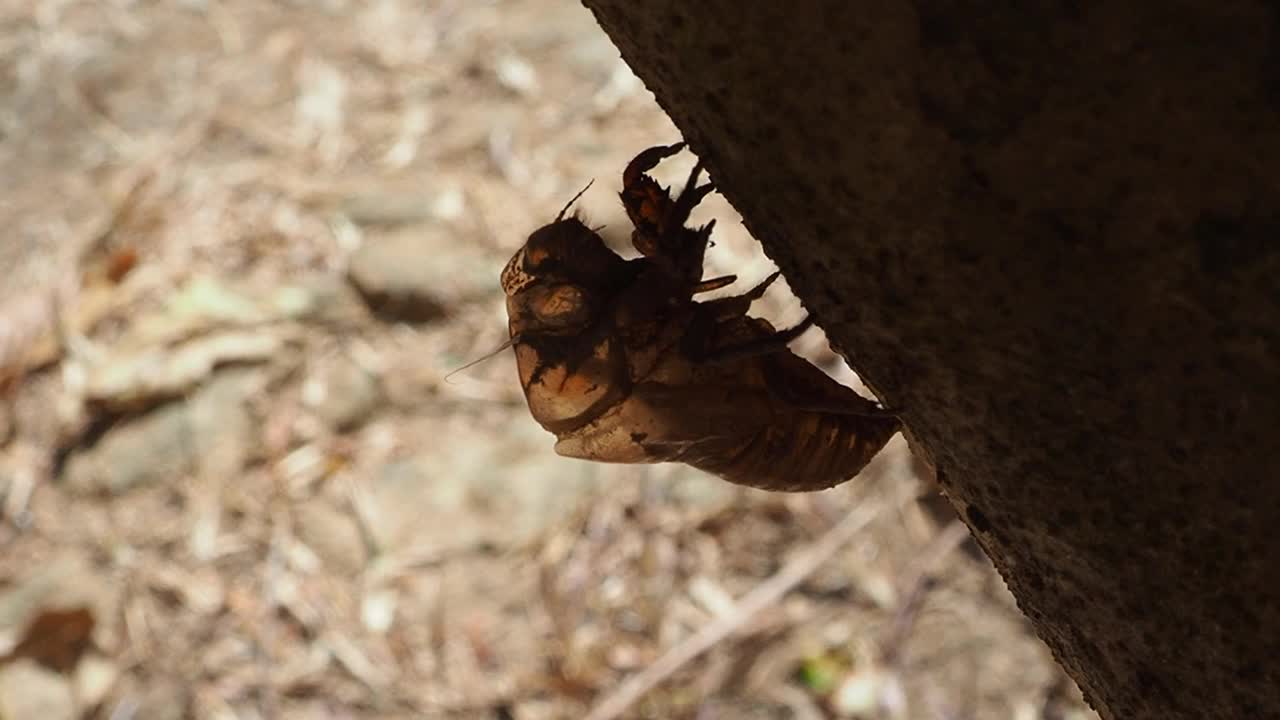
622,365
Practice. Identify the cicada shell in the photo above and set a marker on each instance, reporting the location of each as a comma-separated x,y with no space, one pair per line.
622,364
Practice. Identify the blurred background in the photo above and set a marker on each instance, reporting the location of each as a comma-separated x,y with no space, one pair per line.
242,243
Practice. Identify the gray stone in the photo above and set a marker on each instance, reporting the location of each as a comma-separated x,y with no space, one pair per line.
224,431
333,535
395,278
29,691
212,432
164,699
343,394
320,298
415,276
155,447
6,423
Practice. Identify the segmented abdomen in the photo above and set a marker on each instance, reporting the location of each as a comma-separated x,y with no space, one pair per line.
803,451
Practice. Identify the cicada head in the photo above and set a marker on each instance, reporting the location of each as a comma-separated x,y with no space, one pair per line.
557,283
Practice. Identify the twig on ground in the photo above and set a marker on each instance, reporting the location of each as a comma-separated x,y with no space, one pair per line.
763,595
916,581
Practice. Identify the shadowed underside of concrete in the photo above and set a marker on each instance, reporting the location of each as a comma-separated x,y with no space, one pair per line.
1051,233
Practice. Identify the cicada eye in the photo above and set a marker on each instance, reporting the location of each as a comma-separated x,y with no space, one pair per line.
514,278
555,308
560,306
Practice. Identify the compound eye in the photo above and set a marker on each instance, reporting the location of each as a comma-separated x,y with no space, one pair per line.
560,306
514,278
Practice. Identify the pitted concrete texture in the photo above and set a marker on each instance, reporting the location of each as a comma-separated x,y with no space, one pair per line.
1051,232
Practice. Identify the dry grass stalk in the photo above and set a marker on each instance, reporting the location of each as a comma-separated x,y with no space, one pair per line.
763,595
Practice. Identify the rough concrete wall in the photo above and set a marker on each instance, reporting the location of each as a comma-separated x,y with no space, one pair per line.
1051,232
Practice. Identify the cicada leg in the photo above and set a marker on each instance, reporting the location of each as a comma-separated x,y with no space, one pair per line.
646,161
647,203
737,305
805,387
686,247
690,195
716,331
767,345
714,314
659,220
714,283
798,383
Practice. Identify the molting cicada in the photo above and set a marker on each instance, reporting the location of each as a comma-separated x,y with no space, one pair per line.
621,363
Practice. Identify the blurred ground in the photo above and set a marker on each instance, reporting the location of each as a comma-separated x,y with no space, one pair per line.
243,243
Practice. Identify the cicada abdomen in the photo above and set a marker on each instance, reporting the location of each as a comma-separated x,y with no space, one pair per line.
771,421
621,363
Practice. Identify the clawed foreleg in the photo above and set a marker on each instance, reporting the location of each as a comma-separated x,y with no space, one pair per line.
659,220
646,161
690,195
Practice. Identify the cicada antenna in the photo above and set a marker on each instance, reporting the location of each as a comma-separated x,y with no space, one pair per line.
565,209
482,358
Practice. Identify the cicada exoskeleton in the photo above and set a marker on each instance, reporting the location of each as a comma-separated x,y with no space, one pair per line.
622,364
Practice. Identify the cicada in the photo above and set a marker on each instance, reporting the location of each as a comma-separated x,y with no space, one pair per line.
622,364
